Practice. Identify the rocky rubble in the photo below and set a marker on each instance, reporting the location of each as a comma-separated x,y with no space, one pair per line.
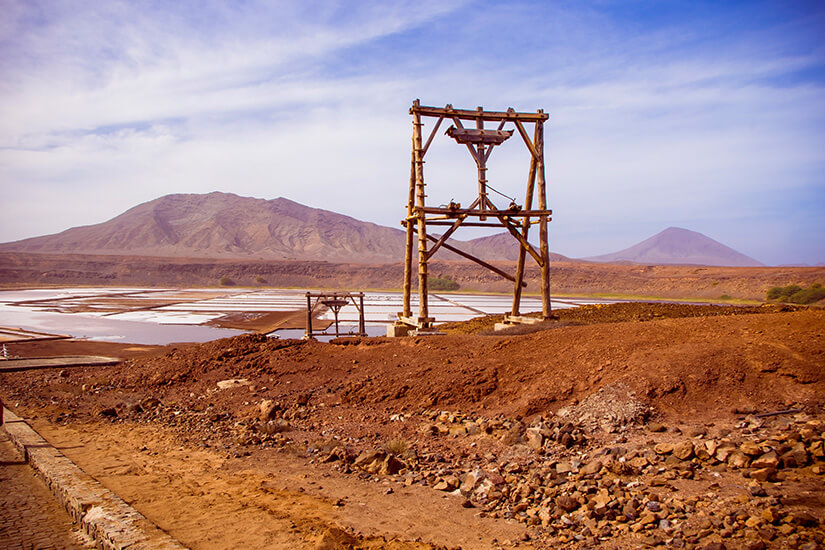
623,436
593,473
732,486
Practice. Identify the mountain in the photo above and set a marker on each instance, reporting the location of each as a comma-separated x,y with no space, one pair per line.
675,245
501,246
224,225
227,226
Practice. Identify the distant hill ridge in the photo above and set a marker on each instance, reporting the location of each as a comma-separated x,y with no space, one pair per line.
675,245
226,226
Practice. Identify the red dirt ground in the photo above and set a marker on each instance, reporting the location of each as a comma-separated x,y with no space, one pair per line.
687,366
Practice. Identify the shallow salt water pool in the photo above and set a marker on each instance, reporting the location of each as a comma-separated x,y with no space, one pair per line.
163,316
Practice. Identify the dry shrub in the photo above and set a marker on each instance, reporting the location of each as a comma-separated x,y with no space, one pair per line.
396,446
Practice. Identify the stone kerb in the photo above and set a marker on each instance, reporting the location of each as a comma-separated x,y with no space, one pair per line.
104,516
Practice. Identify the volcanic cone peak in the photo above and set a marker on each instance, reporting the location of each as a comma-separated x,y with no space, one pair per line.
676,245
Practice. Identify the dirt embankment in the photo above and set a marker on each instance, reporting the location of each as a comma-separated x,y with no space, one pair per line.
546,429
683,358
566,277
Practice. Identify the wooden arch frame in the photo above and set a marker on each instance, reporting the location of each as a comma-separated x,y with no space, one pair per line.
480,142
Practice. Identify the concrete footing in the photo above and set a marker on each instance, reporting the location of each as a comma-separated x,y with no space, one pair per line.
398,329
104,516
426,332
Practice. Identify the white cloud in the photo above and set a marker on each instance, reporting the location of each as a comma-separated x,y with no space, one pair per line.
108,106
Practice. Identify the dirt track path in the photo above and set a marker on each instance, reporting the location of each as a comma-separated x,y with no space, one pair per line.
267,500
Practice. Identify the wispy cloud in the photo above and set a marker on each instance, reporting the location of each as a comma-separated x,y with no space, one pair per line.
698,117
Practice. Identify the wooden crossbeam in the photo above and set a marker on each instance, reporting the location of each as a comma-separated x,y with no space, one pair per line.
432,135
465,114
465,224
449,232
479,261
479,212
526,139
514,232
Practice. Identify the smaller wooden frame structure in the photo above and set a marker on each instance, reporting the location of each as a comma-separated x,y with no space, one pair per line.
516,219
335,301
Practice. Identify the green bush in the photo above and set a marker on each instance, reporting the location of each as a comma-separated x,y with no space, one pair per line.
807,296
795,294
442,283
226,281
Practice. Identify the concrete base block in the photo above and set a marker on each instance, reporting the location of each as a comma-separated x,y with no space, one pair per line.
426,332
396,330
521,320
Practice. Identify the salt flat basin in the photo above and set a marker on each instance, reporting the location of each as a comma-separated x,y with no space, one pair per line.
164,316
111,330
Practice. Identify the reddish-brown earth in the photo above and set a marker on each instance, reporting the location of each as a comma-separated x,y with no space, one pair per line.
669,281
615,426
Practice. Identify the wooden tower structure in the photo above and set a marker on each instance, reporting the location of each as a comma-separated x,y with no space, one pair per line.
481,212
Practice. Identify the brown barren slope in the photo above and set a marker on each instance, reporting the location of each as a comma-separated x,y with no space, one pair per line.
18,269
461,409
224,225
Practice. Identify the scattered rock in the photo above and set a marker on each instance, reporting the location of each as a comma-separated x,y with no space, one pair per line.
592,467
683,450
805,519
750,448
513,435
763,474
108,412
663,448
767,460
269,410
567,503
233,383
738,459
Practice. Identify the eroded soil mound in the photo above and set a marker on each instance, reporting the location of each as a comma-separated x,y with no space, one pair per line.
620,312
698,366
547,428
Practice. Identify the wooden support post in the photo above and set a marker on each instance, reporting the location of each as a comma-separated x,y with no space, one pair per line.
362,329
308,329
408,253
525,224
543,239
421,225
481,162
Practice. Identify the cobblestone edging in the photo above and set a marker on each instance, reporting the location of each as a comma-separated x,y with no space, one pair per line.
104,516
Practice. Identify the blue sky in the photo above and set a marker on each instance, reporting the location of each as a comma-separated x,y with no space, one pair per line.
703,115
